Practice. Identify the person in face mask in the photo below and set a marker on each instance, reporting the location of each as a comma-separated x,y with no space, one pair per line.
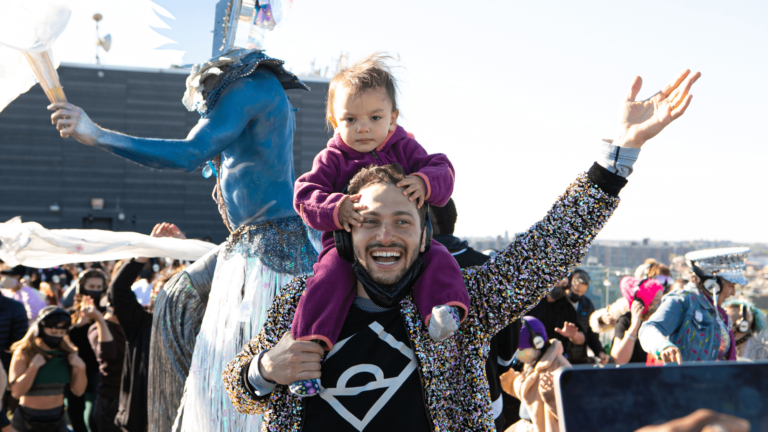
90,284
561,313
13,288
530,379
575,292
44,363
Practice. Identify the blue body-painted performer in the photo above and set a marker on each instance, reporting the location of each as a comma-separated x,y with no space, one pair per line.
204,316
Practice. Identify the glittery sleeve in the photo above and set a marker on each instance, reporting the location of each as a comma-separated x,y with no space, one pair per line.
278,322
513,282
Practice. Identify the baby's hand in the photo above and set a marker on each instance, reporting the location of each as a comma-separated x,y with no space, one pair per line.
349,215
416,189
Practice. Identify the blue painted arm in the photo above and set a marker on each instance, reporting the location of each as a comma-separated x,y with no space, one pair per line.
239,104
655,333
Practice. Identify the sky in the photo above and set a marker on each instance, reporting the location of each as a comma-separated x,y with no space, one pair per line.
519,95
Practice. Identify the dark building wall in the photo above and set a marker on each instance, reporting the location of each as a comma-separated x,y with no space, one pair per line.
38,168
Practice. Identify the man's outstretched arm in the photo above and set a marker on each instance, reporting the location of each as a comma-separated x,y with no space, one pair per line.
258,95
517,278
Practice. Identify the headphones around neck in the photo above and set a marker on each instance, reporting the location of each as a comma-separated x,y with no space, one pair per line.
346,250
535,339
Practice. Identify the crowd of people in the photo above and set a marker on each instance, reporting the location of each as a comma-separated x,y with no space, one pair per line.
453,339
657,321
74,342
75,339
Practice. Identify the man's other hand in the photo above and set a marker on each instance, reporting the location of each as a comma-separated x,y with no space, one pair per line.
290,361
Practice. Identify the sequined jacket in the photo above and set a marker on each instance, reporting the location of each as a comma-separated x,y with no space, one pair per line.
452,372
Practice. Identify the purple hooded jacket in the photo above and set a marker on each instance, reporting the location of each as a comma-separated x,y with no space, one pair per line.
317,197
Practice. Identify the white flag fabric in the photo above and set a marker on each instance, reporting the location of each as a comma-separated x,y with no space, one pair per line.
30,244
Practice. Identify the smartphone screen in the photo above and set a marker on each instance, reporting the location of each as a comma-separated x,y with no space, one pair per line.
628,397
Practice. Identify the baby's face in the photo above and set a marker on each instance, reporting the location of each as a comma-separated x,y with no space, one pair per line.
363,120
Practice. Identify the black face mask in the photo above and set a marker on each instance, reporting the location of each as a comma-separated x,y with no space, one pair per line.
96,296
388,296
52,341
573,297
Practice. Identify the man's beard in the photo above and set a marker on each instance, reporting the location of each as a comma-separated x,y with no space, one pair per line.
362,259
387,292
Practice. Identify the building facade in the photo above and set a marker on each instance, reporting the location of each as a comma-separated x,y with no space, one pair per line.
61,183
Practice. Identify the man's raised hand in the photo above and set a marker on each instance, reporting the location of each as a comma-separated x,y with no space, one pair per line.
643,120
72,121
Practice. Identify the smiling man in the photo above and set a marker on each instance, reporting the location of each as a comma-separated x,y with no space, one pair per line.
386,373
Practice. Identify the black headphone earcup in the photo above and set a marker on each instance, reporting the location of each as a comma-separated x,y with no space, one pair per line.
428,231
343,241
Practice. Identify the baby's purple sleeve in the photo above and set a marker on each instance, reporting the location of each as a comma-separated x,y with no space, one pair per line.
435,169
314,198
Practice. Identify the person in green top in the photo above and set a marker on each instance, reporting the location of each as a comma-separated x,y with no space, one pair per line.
43,363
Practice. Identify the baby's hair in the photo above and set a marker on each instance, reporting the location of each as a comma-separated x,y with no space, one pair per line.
369,74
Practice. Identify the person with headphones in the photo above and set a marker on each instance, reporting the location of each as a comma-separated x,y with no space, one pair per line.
530,378
44,363
691,325
643,297
749,325
386,372
362,107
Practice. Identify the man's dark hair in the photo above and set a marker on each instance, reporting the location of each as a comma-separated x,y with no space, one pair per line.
444,218
385,174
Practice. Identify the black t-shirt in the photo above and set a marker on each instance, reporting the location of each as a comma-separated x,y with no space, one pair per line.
370,379
621,327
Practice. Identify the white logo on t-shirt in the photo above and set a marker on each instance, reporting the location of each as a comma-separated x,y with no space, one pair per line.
391,384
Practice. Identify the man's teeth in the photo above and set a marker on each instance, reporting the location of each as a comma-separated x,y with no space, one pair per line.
387,254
